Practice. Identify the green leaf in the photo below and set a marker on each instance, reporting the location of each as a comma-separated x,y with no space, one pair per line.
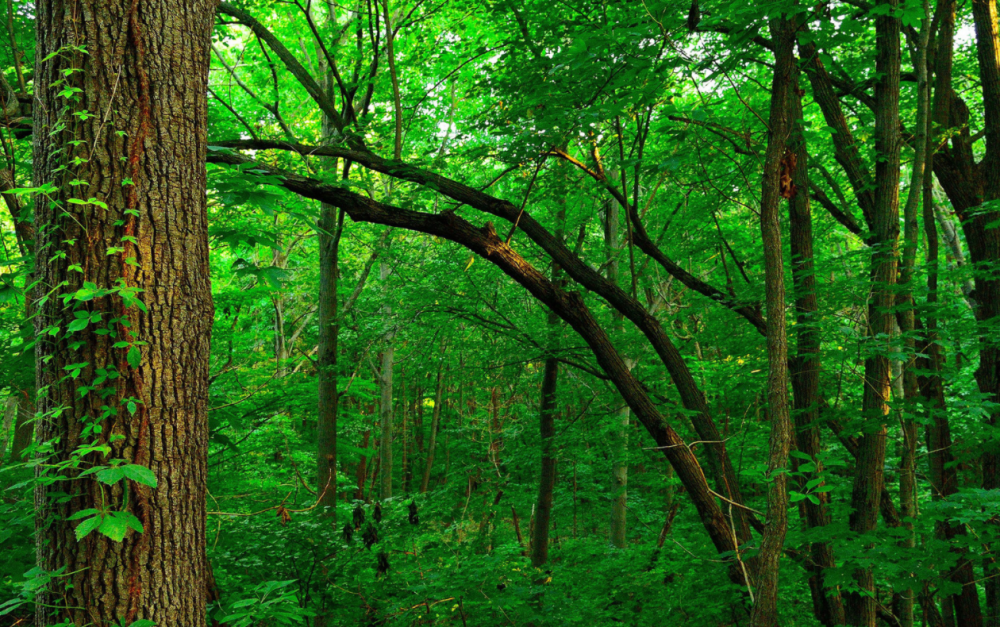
133,522
134,357
139,474
84,528
111,475
83,513
113,527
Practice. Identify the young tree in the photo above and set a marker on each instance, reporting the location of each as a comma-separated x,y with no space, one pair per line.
120,142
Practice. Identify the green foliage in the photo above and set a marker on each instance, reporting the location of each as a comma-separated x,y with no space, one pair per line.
490,92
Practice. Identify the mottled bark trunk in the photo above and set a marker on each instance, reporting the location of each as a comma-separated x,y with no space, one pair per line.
907,466
385,394
967,186
869,469
828,605
326,418
144,81
984,248
779,166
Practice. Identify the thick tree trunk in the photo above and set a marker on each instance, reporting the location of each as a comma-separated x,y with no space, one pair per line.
963,182
984,248
868,478
144,82
904,609
779,166
828,605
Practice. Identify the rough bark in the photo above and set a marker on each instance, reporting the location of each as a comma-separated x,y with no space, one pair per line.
147,71
984,249
967,185
326,417
385,413
828,605
779,163
906,318
884,223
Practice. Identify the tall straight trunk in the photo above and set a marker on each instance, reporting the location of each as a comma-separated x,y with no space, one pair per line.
404,411
547,430
778,161
868,478
147,97
964,607
547,411
828,605
331,227
418,420
362,470
280,340
386,360
326,419
9,416
906,321
984,248
619,438
435,425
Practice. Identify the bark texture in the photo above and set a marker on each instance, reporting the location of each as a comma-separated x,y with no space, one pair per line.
779,166
884,222
326,426
828,604
144,80
385,413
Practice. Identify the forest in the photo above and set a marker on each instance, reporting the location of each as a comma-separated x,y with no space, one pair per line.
330,313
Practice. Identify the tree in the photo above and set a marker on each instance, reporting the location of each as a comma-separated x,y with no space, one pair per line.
120,142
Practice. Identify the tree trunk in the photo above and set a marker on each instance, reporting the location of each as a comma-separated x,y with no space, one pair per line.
779,165
363,466
385,404
984,248
547,478
435,424
326,418
868,478
24,429
144,81
952,165
404,466
619,448
828,605
907,321
9,415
